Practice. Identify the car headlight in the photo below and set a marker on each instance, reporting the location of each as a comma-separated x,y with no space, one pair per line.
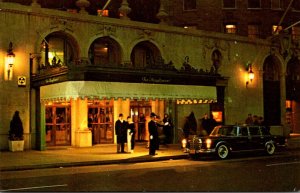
184,143
208,143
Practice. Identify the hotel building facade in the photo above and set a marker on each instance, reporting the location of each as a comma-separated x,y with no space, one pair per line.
73,73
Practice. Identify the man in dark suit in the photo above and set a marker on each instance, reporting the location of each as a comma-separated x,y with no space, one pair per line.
153,132
121,133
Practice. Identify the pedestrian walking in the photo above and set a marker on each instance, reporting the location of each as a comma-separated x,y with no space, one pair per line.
121,132
153,132
130,134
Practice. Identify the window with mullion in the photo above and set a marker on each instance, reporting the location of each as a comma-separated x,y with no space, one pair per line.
230,28
229,4
296,5
276,4
254,4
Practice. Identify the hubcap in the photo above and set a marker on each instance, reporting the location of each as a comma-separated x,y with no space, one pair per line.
223,151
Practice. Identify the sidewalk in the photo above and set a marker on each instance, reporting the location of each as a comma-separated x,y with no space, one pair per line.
84,156
96,155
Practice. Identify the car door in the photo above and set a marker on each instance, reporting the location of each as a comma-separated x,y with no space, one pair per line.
242,139
256,138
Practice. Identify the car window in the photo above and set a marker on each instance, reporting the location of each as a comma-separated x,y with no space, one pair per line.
254,130
243,131
225,131
265,131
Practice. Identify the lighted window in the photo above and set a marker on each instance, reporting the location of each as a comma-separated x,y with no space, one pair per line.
254,4
229,4
276,29
56,50
253,31
103,13
296,5
189,5
217,115
105,52
230,29
276,4
296,33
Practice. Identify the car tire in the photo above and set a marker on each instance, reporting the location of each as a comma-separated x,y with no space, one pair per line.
270,148
223,151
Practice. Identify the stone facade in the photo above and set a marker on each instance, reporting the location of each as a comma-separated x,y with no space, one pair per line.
27,26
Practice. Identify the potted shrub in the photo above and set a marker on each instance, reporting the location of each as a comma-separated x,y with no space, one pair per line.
16,138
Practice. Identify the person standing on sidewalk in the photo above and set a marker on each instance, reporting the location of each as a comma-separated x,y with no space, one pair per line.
121,132
130,134
153,132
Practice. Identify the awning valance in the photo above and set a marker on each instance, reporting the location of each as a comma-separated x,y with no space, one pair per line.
93,90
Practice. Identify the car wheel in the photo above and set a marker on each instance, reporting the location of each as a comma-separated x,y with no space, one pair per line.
270,148
222,151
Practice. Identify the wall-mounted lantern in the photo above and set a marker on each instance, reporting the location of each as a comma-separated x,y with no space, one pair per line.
9,62
250,74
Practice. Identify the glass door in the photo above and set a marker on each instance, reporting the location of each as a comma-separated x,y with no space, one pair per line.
58,125
139,111
100,121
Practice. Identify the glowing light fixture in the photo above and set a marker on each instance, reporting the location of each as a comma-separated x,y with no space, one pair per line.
250,74
9,62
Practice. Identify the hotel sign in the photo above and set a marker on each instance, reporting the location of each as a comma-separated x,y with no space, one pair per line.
155,80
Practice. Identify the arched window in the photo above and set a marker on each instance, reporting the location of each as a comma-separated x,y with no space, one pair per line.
57,49
145,54
105,52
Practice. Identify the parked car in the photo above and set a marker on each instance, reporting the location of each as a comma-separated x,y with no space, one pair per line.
226,139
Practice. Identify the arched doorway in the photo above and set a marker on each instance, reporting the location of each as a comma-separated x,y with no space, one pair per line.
145,54
271,91
293,94
105,52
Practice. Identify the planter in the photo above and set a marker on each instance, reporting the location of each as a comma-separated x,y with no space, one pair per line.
16,145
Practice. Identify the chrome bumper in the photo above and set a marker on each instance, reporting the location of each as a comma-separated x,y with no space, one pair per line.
197,151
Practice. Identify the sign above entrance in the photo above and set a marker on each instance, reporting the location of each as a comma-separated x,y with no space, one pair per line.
94,90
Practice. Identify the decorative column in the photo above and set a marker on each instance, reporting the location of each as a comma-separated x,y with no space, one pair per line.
124,9
82,4
79,110
35,4
162,14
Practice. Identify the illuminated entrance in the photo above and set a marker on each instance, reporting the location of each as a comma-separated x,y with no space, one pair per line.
101,121
139,111
90,108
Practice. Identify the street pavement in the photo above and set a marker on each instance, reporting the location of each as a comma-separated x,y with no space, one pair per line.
57,157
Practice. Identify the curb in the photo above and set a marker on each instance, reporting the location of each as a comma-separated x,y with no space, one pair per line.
91,163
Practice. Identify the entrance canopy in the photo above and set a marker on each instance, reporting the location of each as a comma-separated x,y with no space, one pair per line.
99,90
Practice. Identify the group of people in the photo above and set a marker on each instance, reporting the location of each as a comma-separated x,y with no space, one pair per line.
125,132
254,120
190,125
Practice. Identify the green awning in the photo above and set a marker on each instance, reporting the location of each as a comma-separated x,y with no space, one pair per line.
100,90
